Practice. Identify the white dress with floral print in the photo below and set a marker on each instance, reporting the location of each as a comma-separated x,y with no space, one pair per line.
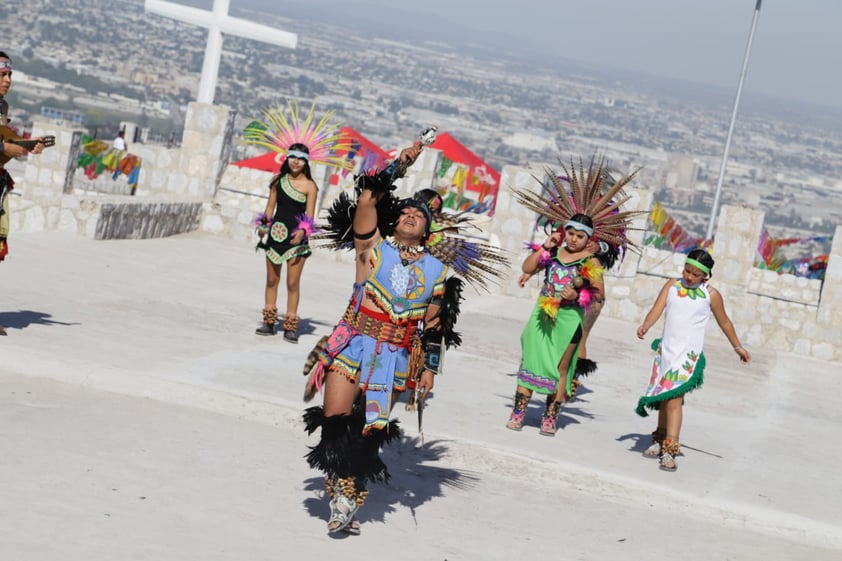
679,363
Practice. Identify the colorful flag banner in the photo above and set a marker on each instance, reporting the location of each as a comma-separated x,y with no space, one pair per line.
666,233
771,257
98,157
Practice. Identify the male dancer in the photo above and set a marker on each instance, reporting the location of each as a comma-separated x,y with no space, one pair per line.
398,285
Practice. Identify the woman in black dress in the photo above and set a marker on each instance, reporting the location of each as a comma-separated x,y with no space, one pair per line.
291,205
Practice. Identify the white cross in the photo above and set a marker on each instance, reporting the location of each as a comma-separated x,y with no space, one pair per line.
218,22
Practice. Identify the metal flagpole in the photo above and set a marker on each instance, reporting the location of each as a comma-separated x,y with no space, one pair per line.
713,211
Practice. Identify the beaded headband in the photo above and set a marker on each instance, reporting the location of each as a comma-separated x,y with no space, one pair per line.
301,155
579,227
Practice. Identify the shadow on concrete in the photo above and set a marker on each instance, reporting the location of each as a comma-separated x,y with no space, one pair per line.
413,482
24,318
642,441
568,414
306,326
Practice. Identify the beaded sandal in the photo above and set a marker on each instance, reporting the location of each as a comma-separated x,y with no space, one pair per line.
548,426
668,462
548,422
518,416
353,527
654,451
669,450
516,420
342,511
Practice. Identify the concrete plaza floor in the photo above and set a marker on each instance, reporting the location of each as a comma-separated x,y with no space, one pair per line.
141,418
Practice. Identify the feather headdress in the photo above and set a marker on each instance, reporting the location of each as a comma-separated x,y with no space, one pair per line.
285,126
591,192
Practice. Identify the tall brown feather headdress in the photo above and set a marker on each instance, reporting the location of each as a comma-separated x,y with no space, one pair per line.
591,192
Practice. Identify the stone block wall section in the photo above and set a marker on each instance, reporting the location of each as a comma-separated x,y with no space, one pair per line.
173,184
182,189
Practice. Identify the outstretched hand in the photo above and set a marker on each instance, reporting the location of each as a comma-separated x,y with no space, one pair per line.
409,155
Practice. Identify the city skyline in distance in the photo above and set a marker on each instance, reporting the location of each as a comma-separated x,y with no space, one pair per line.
692,42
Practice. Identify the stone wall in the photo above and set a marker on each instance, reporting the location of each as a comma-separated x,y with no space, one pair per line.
173,184
182,189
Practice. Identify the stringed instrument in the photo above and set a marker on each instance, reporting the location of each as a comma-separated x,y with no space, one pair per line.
10,136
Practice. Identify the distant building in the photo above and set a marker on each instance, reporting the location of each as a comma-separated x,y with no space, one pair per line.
682,173
532,140
63,116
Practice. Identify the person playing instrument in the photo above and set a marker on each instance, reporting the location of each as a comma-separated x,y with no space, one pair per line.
9,150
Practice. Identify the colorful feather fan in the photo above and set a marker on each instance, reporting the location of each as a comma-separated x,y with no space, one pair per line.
284,126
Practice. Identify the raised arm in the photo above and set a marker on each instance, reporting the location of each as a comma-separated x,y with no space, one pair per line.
366,234
656,311
365,221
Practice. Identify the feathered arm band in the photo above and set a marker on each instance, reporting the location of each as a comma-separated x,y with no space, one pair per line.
544,258
306,225
591,271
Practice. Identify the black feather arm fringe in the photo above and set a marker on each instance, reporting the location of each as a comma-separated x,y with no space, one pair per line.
338,230
379,182
584,366
450,311
343,450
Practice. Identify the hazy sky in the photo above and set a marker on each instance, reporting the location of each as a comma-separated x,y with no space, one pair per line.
796,52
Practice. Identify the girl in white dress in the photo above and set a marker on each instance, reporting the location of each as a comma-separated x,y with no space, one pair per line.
679,362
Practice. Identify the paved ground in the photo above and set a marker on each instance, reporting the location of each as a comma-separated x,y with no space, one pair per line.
140,418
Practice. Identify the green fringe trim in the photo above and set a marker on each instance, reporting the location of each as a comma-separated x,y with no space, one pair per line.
654,402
